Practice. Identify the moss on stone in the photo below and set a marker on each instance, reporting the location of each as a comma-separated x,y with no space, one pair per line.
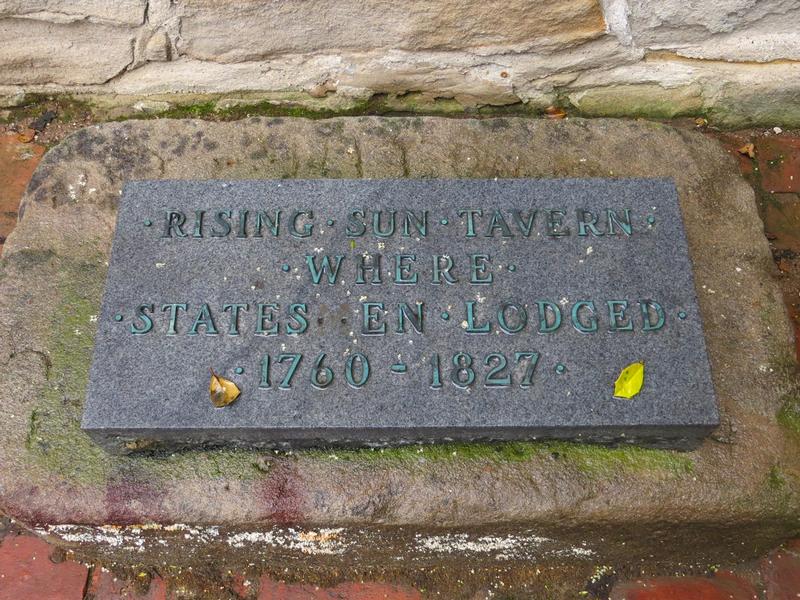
592,460
781,490
784,366
68,108
268,108
776,479
55,440
200,464
604,461
28,258
640,100
789,414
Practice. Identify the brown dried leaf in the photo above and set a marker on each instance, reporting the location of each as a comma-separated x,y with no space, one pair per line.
26,135
223,391
555,112
748,150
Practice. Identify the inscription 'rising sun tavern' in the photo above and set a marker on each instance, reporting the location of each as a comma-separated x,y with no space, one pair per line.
473,222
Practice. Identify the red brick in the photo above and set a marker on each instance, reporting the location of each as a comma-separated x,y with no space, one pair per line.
782,220
17,162
732,142
779,163
275,590
793,546
241,585
725,586
104,586
781,571
26,571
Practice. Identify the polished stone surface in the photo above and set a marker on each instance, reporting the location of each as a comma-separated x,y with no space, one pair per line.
593,247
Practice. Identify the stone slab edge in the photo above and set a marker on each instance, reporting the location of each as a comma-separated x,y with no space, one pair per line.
55,262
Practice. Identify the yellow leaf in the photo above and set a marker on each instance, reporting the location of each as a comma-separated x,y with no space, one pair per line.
223,391
748,150
630,381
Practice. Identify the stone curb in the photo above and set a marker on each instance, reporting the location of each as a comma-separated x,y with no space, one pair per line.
52,277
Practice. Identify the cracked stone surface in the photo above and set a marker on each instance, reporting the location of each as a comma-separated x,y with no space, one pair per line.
53,270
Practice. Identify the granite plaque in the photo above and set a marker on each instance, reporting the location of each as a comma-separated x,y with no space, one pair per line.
391,311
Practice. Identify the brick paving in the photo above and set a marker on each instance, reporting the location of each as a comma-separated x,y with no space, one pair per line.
779,164
18,160
774,172
719,587
781,573
104,585
26,571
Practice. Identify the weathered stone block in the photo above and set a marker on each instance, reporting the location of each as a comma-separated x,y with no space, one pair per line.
654,21
36,52
124,12
235,32
53,270
642,99
157,47
732,95
735,30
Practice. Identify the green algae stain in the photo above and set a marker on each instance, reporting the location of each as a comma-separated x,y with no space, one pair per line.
591,460
601,461
210,110
776,479
236,464
789,414
55,440
505,452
